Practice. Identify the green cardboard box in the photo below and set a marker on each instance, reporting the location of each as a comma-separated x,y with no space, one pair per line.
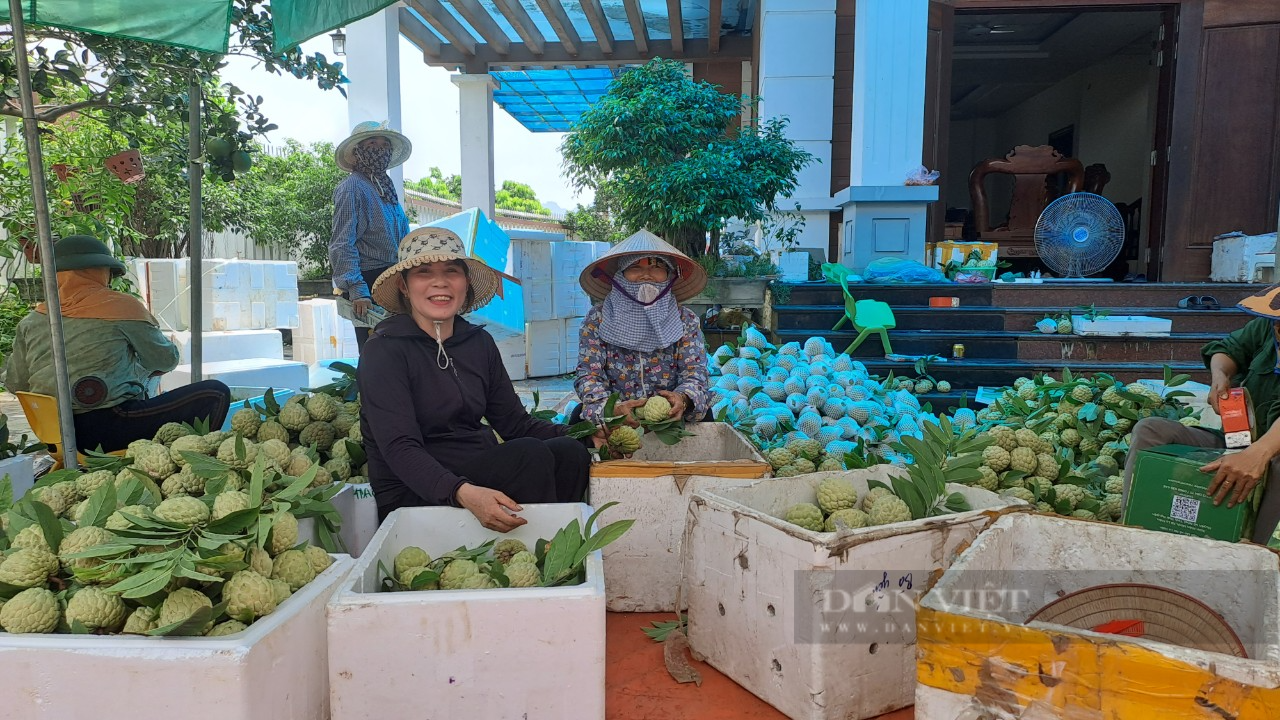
1169,494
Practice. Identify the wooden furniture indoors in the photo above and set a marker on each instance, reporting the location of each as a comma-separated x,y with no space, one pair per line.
1030,167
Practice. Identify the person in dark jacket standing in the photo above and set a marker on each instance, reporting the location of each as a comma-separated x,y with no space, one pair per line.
428,378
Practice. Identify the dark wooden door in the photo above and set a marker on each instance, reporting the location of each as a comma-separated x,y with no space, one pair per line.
1225,165
937,108
1157,196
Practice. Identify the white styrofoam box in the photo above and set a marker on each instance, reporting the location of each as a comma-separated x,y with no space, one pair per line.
20,470
317,319
166,296
275,669
322,372
568,300
598,249
256,372
511,347
568,258
359,511
544,348
1235,257
572,331
642,568
1140,325
1032,560
530,260
230,345
499,653
775,607
539,300
794,266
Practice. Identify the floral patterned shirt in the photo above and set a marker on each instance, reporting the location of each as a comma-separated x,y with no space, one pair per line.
604,369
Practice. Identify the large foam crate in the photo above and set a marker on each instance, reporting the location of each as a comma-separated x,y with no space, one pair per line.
568,300
539,302
530,260
512,350
255,372
278,668
230,345
359,511
572,339
642,569
568,258
818,625
544,348
497,654
983,653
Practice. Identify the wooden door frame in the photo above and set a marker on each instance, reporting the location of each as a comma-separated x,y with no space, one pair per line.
937,108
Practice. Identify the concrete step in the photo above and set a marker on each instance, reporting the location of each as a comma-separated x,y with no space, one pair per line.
967,375
984,317
1130,296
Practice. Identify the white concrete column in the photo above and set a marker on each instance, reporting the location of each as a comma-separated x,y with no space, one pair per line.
373,67
882,216
475,116
799,84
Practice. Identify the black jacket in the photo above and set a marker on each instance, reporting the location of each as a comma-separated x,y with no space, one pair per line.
419,421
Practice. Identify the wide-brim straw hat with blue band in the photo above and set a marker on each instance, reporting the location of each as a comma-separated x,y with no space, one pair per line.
596,278
401,148
428,245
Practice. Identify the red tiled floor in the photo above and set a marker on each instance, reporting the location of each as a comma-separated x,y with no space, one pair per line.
638,687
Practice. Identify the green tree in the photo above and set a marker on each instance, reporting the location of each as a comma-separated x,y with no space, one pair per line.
519,197
436,184
593,224
288,202
663,151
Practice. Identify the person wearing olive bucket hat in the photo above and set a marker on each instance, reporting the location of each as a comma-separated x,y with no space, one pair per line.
638,341
114,347
1245,358
429,381
368,219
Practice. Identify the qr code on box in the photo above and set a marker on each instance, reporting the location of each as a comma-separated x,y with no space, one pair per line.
1185,509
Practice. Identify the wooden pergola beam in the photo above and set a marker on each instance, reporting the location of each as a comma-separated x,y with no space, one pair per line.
417,33
625,52
515,14
478,17
714,13
675,18
599,24
448,26
554,10
640,31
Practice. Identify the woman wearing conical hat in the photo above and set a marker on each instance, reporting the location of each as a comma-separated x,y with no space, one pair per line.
1246,358
638,341
430,381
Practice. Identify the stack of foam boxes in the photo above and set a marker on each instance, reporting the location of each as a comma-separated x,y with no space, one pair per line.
554,302
244,305
322,334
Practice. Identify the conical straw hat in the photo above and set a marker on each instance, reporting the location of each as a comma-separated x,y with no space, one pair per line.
1264,303
596,276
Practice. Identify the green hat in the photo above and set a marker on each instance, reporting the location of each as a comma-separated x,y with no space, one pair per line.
77,252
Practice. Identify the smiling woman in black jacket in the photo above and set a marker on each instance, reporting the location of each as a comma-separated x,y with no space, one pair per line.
429,380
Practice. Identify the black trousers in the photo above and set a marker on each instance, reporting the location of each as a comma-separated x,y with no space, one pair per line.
528,470
370,276
114,428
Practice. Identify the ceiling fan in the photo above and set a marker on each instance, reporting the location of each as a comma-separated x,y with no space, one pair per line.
991,29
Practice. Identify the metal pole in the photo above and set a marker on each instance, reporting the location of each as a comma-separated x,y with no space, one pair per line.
195,173
35,162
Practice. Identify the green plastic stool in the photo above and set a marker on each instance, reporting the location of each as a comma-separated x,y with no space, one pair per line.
869,317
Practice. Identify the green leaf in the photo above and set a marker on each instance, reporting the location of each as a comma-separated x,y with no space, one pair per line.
6,493
204,466
269,399
583,429
102,503
957,503
147,582
190,627
610,533
49,524
560,556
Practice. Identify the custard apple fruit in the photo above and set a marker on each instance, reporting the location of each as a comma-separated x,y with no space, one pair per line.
154,460
779,457
298,464
1070,437
88,483
248,596
523,574
624,440
989,480
171,431
317,433
1064,327
1021,493
187,443
118,521
889,509
407,575
339,470
80,540
181,605
505,549
284,534
275,451
356,435
944,386
1115,485
183,482
293,567
851,518
479,581
1023,459
1047,466
281,589
1044,507
30,536
656,409
96,609
228,454
294,416
804,466
141,621
340,450
523,557
322,407
872,495
28,567
323,477
1083,515
226,627
996,458
183,510
830,464
1073,494
836,493
272,430
59,496
34,610
806,515
319,559
259,561
1112,506
229,501
456,573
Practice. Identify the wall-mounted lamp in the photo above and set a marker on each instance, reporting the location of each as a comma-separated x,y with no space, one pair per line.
339,42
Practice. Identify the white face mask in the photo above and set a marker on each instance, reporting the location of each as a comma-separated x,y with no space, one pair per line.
648,292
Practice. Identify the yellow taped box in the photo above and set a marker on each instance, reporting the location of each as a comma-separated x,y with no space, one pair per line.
981,655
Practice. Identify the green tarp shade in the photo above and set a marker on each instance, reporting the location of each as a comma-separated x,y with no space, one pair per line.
295,21
202,25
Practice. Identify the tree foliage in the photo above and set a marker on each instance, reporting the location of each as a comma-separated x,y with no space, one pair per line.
662,151
519,197
593,224
437,185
